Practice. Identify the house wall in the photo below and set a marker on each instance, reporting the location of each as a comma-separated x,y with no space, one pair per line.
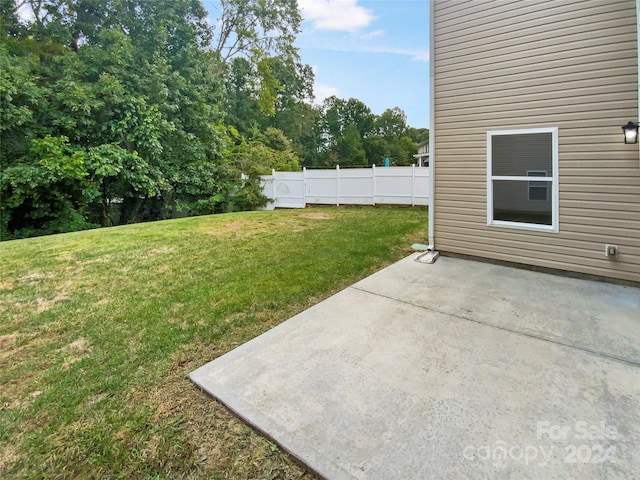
504,65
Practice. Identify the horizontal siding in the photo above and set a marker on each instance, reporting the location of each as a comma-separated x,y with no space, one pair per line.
608,268
569,93
508,58
569,248
501,21
540,39
502,65
561,77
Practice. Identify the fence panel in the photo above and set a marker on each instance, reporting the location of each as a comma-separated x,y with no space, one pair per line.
289,189
356,186
266,182
353,186
321,186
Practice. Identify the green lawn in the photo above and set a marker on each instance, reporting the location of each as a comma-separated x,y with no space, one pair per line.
99,330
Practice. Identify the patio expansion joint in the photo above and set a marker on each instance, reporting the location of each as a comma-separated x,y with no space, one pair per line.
626,361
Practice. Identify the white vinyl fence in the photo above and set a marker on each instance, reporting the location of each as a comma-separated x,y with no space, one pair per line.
348,186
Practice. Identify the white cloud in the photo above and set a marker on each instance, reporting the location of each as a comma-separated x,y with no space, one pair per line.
415,54
418,55
421,56
324,91
342,15
372,35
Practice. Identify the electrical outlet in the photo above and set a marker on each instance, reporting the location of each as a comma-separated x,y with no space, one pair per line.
611,250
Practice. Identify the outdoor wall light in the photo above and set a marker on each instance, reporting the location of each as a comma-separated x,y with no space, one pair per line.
630,132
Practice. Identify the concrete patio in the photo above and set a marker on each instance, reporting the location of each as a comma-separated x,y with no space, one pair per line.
454,370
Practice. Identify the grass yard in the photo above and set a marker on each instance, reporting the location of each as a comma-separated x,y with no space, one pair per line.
99,330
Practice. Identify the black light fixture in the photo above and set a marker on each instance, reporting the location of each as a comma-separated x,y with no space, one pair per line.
630,132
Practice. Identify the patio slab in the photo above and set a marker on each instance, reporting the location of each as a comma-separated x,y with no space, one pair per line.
458,369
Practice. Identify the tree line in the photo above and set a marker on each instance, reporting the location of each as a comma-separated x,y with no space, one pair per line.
120,111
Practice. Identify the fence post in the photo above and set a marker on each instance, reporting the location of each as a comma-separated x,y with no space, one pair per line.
413,184
373,186
304,184
337,185
273,184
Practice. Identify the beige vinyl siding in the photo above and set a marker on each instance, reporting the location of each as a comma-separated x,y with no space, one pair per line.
509,65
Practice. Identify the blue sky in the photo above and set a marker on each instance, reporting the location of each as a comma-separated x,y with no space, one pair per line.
374,50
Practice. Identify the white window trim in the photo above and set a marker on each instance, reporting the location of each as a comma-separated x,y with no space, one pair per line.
554,227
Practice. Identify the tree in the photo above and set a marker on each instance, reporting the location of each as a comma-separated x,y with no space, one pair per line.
308,138
401,151
46,191
249,26
349,148
269,150
392,123
9,24
357,113
240,102
352,135
345,124
333,121
376,149
133,89
292,112
418,135
20,98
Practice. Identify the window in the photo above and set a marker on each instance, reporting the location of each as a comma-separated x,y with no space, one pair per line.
513,199
538,190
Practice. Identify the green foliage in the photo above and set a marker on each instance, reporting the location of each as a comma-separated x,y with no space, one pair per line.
350,135
269,151
241,105
392,123
119,111
132,87
46,191
349,148
275,139
249,196
266,151
418,135
18,93
269,87
247,25
20,99
401,150
376,149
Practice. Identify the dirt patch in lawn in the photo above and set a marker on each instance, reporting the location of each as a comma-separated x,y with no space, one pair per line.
43,304
6,341
35,276
245,228
318,216
161,250
102,259
8,457
21,404
75,351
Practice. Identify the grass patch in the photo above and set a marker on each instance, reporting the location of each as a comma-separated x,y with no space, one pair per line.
99,330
